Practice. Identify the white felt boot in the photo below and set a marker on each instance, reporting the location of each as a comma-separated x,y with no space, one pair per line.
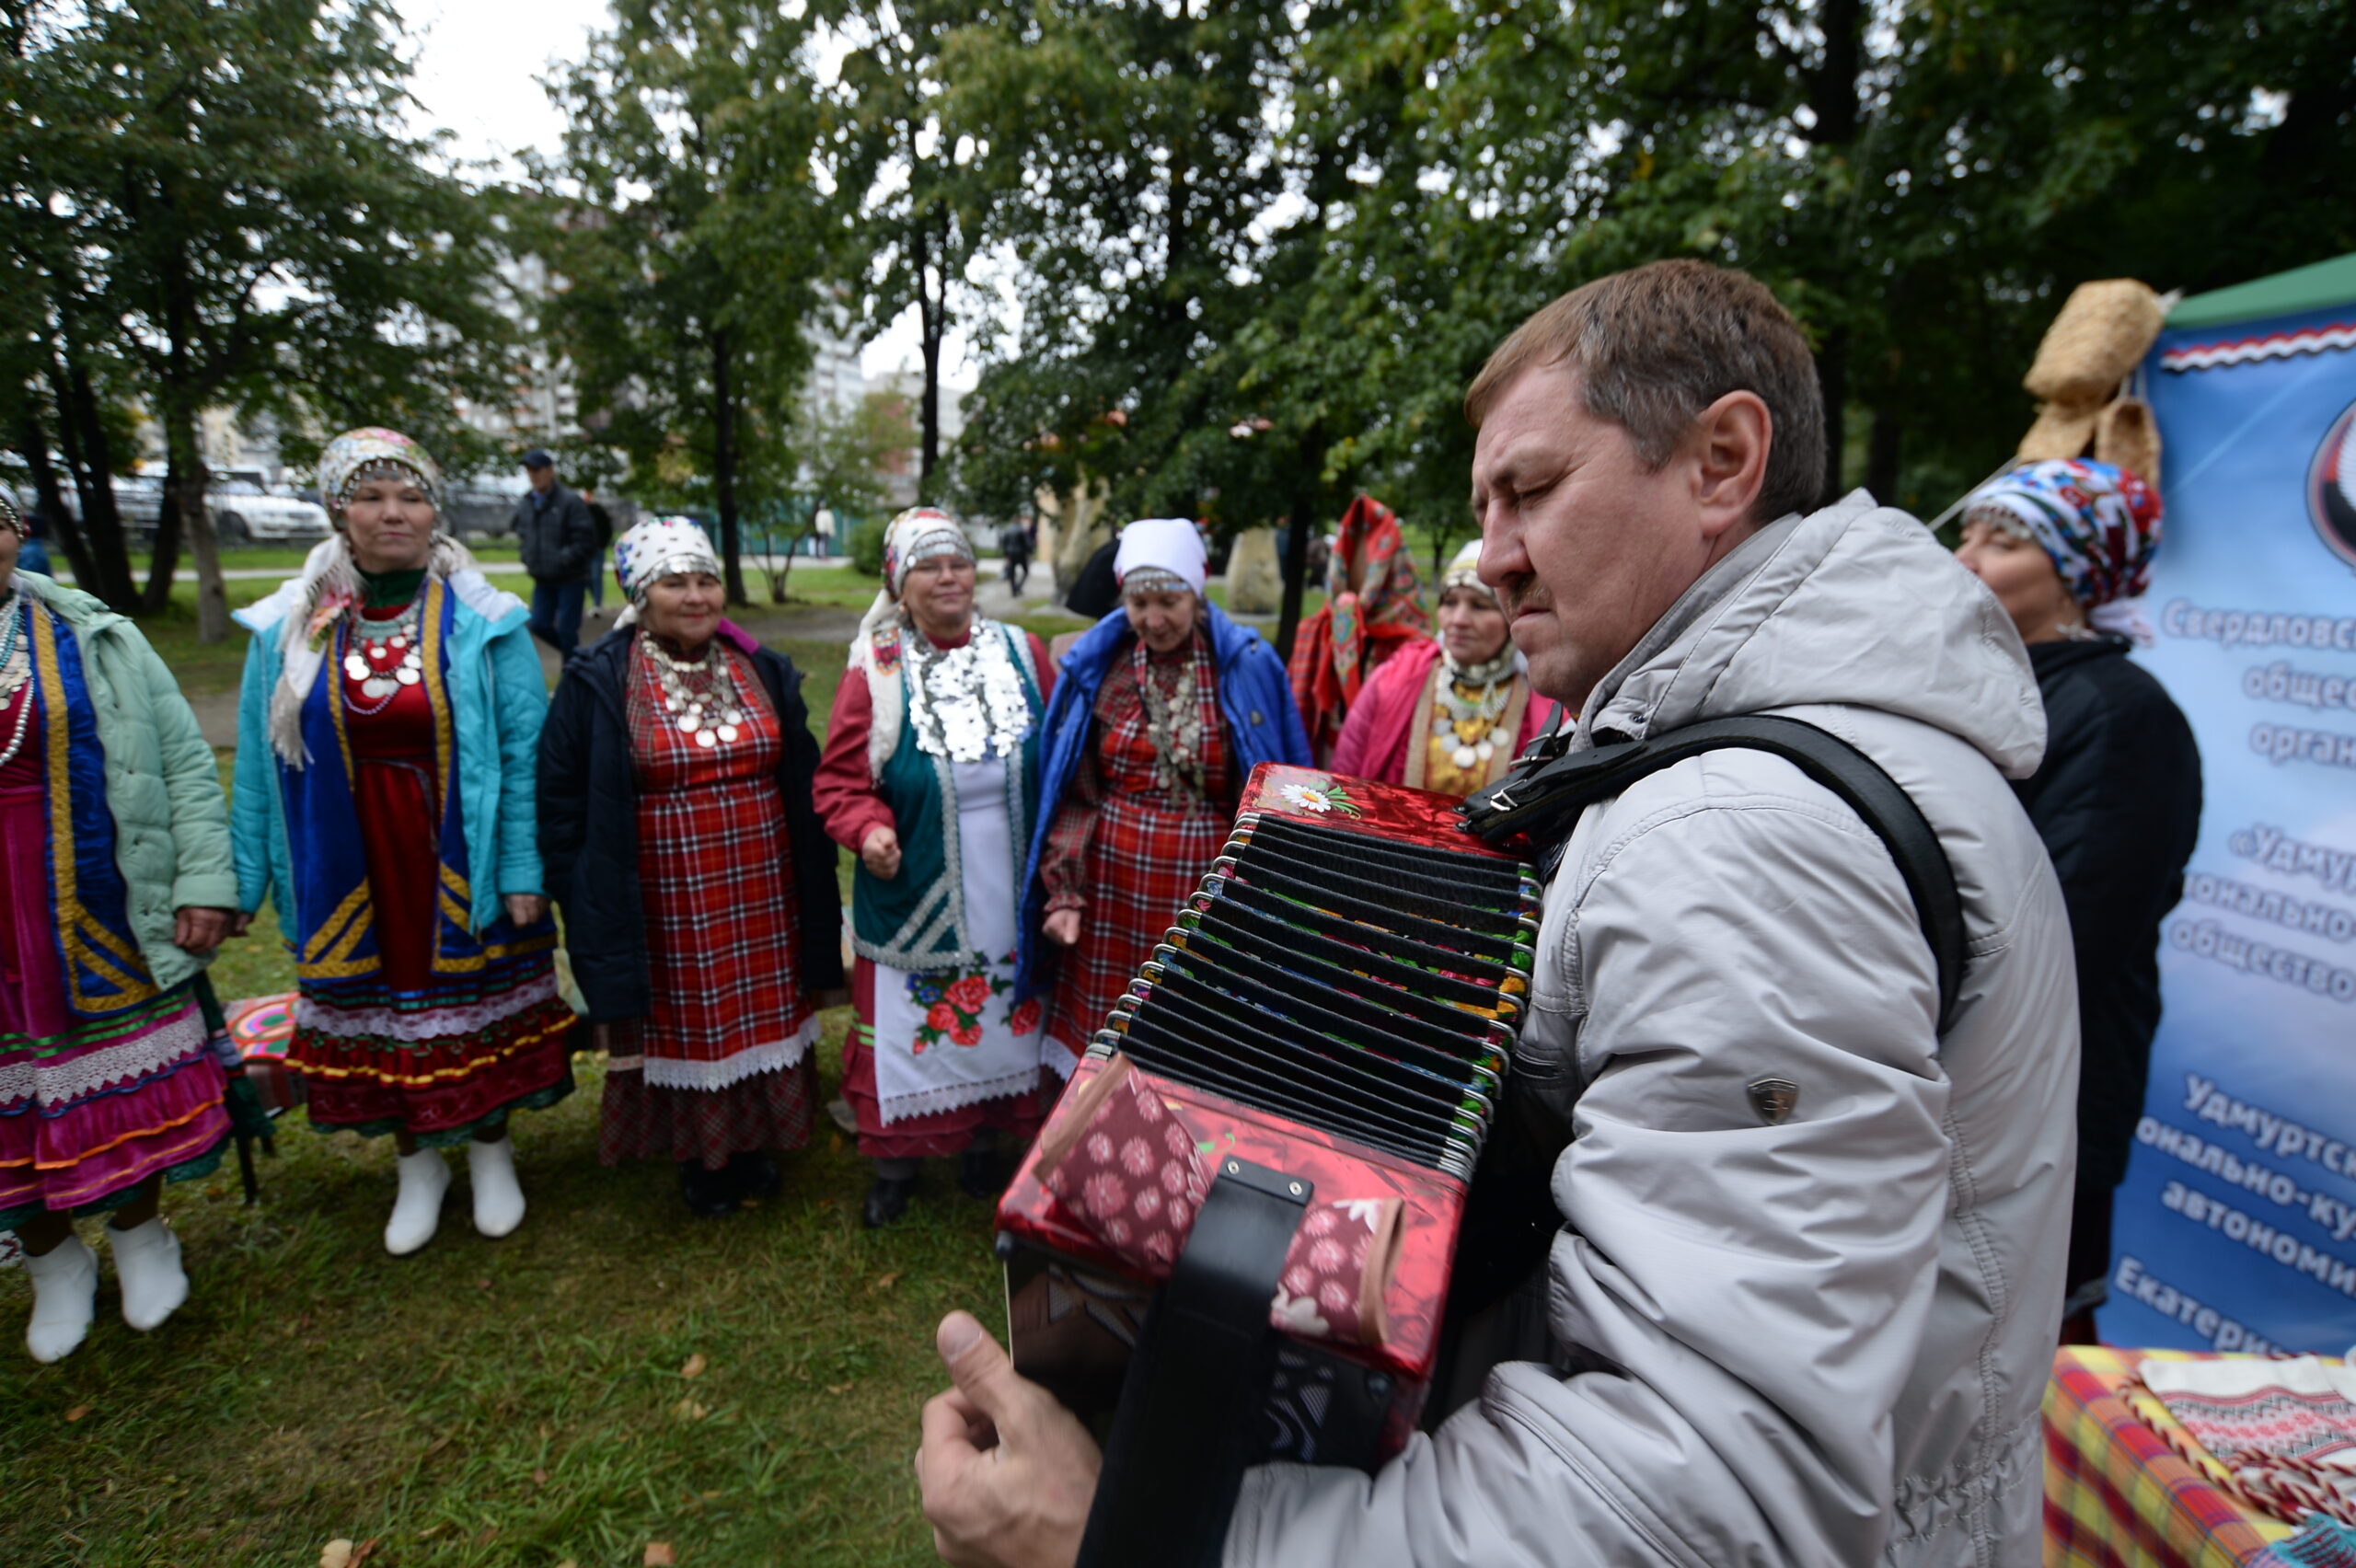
147,1262
65,1288
425,1176
499,1200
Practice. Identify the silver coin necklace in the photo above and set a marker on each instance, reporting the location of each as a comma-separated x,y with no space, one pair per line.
382,656
698,695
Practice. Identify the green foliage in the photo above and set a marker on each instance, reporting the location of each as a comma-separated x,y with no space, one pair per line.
925,214
687,220
219,204
1325,215
865,548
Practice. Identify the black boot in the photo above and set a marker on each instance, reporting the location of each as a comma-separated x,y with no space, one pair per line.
887,1200
708,1192
755,1176
979,1174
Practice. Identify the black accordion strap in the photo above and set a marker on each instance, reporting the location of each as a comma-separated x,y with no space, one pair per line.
1192,1399
1543,798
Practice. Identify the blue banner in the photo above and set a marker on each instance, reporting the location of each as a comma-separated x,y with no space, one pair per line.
2236,1227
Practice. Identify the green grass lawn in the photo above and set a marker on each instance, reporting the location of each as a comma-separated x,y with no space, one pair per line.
512,1402
520,1403
515,1403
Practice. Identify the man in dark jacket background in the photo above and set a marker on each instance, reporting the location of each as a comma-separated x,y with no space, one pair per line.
559,539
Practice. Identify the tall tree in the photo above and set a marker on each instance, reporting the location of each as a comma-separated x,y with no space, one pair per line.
925,197
234,194
688,222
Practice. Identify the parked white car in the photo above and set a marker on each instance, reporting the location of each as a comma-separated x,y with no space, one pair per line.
243,510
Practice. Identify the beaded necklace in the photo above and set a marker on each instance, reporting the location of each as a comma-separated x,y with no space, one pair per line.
1173,719
16,667
1469,700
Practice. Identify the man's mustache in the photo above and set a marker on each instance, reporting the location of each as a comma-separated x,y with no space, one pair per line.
1519,593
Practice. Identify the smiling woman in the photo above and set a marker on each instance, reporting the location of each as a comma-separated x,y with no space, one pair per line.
699,891
385,802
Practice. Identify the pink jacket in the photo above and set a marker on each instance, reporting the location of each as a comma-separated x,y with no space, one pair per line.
1373,743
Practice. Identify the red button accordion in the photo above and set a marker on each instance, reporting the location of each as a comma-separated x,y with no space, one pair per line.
1231,1243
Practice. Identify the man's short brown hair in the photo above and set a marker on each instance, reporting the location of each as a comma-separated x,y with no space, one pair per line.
1655,345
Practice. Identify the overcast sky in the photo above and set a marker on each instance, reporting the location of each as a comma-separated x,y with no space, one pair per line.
477,65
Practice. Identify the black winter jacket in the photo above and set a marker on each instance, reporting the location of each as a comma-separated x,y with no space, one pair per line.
2118,802
558,541
588,830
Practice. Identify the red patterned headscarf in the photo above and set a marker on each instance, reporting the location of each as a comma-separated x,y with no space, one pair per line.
1371,610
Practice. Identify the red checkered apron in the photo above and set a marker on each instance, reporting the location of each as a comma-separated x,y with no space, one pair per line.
1146,847
716,874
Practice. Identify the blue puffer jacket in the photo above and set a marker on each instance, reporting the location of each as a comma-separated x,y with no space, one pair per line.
1254,701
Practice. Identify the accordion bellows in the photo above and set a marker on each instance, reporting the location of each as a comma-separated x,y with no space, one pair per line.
1337,1001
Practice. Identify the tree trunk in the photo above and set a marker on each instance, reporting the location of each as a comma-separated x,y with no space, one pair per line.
185,481
164,560
1881,456
1296,572
930,314
1295,562
724,471
1833,377
89,458
50,500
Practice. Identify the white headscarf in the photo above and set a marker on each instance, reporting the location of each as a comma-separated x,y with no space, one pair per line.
1164,546
1464,572
656,548
918,533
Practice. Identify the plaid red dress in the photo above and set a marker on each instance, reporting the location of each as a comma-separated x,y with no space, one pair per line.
1128,845
723,1065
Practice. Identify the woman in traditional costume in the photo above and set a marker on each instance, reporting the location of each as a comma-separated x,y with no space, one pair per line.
115,887
1371,611
697,886
931,774
1449,715
1163,708
389,742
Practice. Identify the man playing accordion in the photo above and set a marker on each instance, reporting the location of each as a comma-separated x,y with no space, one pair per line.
1812,1189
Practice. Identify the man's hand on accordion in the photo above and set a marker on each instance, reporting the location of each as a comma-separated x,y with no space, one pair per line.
1007,1473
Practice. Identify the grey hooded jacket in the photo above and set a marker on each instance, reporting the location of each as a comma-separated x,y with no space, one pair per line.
1817,1342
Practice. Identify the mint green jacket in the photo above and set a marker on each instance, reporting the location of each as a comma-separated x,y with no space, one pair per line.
162,786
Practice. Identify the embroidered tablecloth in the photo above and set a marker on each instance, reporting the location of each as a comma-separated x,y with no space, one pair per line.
2119,1493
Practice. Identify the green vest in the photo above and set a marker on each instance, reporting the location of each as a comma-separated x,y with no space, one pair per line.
917,921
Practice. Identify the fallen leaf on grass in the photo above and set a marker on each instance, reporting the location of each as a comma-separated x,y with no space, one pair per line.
693,1368
660,1555
337,1553
539,1478
364,1551
840,1388
884,1282
488,1532
77,1413
687,1410
482,1284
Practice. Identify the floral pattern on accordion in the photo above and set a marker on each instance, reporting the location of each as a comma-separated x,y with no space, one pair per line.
1129,1168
